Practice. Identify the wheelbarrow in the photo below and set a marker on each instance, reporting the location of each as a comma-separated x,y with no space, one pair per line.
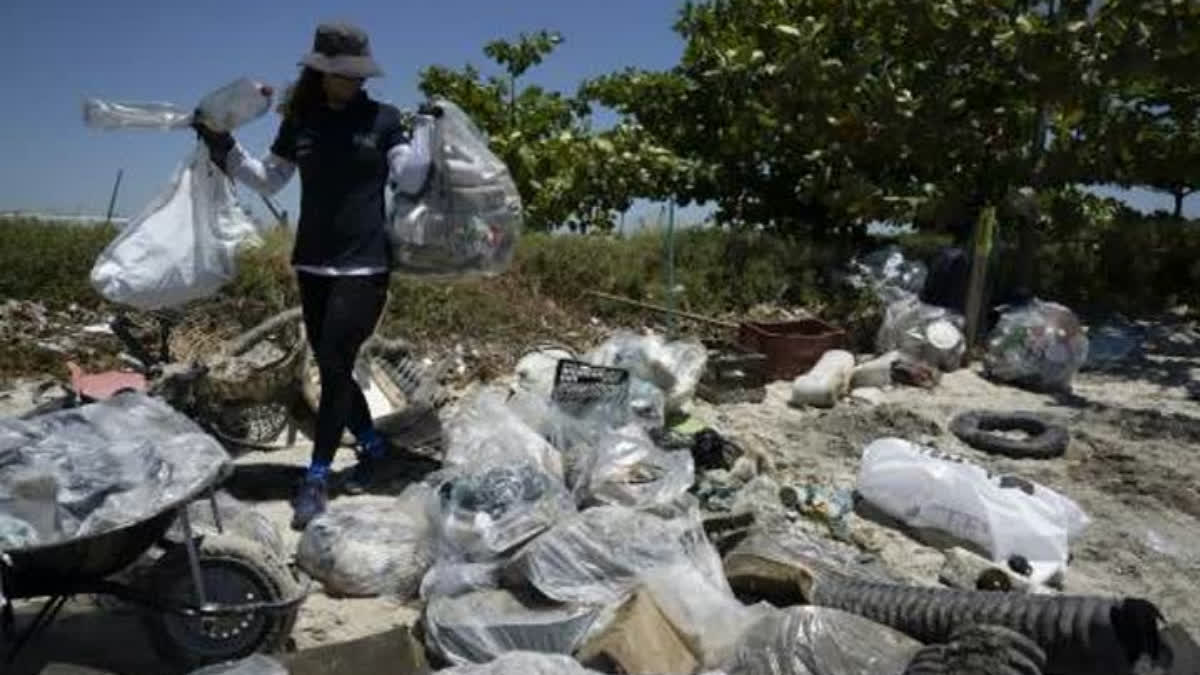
206,598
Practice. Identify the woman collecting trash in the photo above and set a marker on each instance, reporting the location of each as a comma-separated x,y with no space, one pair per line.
347,146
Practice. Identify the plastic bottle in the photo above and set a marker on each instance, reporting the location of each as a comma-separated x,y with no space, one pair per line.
235,104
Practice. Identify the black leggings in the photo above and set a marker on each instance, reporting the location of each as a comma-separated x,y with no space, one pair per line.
340,313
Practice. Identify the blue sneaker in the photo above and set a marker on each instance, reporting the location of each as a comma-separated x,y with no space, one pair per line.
309,502
373,451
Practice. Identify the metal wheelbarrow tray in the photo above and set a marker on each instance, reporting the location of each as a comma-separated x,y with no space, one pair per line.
86,492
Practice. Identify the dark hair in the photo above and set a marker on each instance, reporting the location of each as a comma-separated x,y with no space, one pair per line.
303,95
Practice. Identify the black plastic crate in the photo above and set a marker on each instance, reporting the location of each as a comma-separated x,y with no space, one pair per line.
580,387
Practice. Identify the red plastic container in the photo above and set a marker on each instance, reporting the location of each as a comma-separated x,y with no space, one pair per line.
792,348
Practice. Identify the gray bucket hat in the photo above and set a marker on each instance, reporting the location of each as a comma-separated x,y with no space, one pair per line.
342,49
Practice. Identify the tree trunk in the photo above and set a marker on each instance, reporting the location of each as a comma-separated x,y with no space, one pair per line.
1178,195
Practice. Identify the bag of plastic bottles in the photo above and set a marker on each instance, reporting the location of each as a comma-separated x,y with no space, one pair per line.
1039,345
932,335
467,219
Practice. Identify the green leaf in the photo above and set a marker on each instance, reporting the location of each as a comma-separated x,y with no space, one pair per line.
788,30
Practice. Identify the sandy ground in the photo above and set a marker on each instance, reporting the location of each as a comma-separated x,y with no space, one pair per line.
1131,465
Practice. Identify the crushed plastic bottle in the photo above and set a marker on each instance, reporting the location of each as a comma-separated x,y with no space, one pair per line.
100,114
235,104
223,109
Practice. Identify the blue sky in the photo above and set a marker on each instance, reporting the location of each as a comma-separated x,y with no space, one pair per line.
57,53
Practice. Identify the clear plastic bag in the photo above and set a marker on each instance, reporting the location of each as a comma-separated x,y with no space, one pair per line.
236,517
932,335
478,627
1040,345
89,470
485,431
469,218
450,579
709,617
479,515
675,368
625,468
183,246
600,555
535,371
370,549
1112,342
889,273
820,641
1000,516
523,663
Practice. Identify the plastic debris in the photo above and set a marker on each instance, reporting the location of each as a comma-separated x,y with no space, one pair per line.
1039,345
89,470
874,373
627,469
889,273
223,109
927,333
485,432
708,616
480,515
1112,342
478,627
998,515
237,518
673,367
535,371
827,381
821,641
831,506
368,549
600,555
450,579
523,663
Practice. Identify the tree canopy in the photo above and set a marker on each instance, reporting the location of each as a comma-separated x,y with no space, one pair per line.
819,116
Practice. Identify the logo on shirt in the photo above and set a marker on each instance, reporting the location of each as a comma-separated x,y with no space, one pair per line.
365,141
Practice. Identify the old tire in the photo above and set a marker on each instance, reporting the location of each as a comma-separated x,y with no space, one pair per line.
977,429
235,570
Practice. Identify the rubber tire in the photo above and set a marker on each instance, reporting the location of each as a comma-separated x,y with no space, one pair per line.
267,569
1047,440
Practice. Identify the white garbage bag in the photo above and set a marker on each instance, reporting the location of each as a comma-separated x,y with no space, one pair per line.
1000,515
183,246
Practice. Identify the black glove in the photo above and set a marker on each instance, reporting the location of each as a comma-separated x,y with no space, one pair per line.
219,143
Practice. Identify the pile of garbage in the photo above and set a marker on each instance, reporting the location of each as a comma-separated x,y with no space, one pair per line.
570,530
1038,345
67,331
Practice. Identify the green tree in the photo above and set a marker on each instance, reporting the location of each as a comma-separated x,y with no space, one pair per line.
1146,127
818,115
568,175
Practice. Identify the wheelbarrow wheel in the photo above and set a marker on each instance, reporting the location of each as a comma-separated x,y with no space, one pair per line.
235,571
